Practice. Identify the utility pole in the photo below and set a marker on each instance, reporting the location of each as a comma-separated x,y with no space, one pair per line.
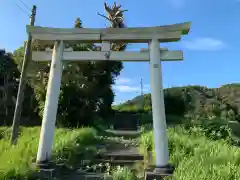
141,104
22,83
141,83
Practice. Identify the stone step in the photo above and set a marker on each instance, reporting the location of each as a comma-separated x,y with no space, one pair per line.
97,176
154,176
85,176
130,157
117,162
125,133
130,153
70,175
158,174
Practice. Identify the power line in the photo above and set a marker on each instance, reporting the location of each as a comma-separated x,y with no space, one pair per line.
25,5
22,10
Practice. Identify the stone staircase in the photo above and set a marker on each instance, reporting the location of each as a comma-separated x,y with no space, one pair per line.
64,173
115,152
120,156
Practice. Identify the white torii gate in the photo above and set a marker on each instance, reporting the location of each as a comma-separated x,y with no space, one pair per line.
151,35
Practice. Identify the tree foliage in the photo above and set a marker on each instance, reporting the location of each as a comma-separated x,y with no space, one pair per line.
8,85
86,88
9,78
91,82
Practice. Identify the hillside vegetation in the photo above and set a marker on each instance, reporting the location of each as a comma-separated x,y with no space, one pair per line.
197,156
194,101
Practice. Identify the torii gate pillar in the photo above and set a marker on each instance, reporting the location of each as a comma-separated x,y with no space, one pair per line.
51,104
158,108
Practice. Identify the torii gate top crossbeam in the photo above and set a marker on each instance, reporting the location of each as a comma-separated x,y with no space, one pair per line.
168,33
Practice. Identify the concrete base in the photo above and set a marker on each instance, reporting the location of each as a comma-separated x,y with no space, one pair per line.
43,165
159,173
168,169
44,170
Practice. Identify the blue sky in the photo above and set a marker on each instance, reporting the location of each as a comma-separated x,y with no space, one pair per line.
211,50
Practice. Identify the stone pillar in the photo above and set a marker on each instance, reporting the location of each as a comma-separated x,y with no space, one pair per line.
158,108
51,105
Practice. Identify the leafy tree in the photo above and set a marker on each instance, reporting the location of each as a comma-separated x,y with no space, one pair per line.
86,89
9,77
8,81
81,79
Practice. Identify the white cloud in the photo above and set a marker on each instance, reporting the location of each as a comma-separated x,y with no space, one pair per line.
146,86
119,102
125,88
123,80
129,89
204,44
127,85
177,3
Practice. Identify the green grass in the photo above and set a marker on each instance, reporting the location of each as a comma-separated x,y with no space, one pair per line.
70,146
198,152
197,157
17,160
123,173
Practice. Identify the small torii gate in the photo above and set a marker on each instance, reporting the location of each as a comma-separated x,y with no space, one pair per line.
151,35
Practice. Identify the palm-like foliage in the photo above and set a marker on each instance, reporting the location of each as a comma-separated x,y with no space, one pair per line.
116,19
115,15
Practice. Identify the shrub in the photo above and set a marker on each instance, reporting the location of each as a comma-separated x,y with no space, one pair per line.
214,129
16,161
123,173
197,157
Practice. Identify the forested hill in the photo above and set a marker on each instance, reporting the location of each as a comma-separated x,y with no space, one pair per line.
197,101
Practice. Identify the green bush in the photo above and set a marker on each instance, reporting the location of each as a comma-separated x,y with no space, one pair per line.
197,157
214,129
17,160
123,173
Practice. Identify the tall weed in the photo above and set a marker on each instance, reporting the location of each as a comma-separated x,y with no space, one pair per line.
197,157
